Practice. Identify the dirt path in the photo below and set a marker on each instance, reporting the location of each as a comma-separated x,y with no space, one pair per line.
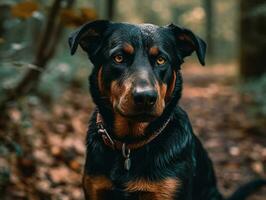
52,139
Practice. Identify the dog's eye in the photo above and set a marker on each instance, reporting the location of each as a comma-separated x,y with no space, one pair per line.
160,60
118,59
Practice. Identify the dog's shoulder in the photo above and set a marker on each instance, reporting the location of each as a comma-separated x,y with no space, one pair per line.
182,121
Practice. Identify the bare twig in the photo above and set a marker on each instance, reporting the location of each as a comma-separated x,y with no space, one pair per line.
45,51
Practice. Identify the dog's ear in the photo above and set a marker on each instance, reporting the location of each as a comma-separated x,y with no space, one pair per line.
188,42
88,36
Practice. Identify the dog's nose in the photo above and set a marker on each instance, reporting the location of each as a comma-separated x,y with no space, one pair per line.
144,96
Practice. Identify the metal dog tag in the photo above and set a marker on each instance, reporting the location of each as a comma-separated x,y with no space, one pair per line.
127,164
126,155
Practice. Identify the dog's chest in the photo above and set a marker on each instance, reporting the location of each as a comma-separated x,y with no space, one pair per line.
115,182
101,188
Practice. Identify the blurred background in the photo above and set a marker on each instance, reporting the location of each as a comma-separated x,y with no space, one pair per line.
45,103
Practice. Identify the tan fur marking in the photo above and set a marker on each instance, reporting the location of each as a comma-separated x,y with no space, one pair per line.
122,125
95,187
121,93
138,128
115,92
147,196
171,86
165,189
154,51
128,48
100,83
160,103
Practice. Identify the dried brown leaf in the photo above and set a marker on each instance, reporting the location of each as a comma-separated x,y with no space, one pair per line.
24,9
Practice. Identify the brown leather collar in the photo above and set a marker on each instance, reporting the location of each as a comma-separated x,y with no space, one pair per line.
119,145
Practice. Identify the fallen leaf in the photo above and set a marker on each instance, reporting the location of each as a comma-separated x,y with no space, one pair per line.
24,9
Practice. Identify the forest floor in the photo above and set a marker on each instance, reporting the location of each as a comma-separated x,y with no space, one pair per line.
42,147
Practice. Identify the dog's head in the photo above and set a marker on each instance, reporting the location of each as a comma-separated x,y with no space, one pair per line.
136,66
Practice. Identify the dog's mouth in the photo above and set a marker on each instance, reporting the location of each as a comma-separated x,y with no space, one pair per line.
138,116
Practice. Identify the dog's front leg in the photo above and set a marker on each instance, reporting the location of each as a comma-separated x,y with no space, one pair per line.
96,187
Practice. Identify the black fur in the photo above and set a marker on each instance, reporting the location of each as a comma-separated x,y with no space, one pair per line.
176,152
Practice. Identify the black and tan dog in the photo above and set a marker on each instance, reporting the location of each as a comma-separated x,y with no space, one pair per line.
140,144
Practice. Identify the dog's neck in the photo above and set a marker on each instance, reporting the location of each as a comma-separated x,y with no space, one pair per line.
124,127
129,141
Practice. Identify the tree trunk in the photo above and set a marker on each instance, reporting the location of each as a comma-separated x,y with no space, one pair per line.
252,38
4,9
110,9
209,25
46,49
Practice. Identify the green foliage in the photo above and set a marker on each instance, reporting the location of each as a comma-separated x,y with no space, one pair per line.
9,75
63,72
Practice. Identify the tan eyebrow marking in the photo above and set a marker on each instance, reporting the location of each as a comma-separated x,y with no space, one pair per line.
128,48
154,51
